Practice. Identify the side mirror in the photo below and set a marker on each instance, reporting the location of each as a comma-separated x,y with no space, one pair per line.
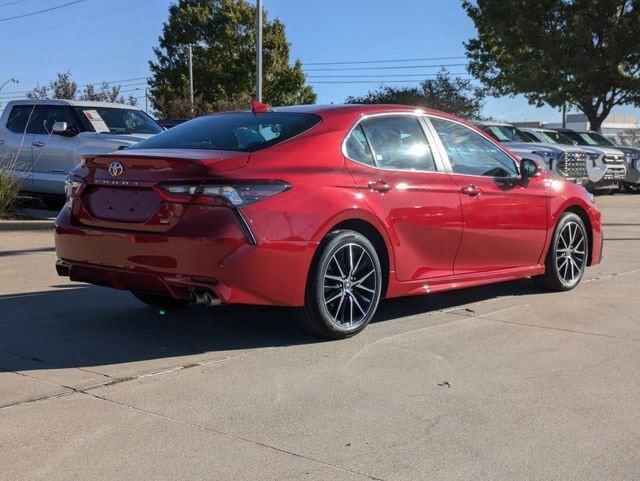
530,168
60,128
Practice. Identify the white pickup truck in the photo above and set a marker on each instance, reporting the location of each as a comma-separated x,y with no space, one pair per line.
41,140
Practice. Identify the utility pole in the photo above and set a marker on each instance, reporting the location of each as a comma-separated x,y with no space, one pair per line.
146,100
191,77
564,115
259,50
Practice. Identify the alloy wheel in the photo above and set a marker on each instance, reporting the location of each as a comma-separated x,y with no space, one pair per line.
350,285
571,254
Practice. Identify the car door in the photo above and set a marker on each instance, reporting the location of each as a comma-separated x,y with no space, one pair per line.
54,155
505,221
16,136
394,168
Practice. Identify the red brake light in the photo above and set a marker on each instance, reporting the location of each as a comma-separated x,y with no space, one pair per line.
235,194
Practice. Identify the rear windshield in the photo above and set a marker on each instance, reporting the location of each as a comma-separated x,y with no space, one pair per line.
239,131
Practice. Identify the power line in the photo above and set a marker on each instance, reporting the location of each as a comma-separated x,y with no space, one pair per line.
99,84
15,2
57,7
381,81
66,24
386,67
431,74
424,59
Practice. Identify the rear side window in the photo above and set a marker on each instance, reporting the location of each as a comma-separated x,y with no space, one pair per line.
357,147
241,131
399,143
26,118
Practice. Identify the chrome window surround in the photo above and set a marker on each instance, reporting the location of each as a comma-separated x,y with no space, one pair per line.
419,116
443,150
438,150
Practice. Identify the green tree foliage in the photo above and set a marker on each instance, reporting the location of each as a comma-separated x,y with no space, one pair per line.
63,87
453,95
222,33
583,52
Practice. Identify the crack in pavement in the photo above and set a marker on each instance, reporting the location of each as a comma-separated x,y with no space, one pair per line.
233,436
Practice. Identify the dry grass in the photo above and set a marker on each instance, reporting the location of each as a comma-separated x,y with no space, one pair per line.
9,193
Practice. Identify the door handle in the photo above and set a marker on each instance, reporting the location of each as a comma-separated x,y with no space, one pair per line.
1,141
379,186
471,190
38,144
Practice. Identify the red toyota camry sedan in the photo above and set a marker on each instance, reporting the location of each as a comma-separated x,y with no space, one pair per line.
325,209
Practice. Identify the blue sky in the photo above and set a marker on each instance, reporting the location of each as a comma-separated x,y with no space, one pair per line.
113,39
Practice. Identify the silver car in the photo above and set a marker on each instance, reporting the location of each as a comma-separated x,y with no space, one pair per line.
41,140
570,162
631,155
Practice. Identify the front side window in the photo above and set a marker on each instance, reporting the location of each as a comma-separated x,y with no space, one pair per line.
119,121
26,119
398,142
237,131
471,154
59,114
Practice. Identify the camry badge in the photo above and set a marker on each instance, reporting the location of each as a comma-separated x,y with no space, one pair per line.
116,169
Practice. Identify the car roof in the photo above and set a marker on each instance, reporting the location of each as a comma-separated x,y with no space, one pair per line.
362,109
74,103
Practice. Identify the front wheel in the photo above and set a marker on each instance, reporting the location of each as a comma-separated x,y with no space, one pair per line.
567,257
344,286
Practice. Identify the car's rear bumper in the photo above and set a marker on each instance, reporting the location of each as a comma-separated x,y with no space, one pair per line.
216,255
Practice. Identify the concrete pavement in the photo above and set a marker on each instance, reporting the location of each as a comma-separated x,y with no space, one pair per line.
500,382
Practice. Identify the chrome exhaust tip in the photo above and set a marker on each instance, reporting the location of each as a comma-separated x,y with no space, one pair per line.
201,296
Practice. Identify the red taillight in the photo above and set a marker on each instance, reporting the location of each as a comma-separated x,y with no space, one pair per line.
235,194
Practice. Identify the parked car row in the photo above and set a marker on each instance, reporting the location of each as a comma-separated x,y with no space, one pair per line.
586,158
42,140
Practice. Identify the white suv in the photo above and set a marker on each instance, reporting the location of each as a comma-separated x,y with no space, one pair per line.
41,140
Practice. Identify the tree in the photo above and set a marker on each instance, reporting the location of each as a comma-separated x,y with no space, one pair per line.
63,87
454,95
583,52
222,33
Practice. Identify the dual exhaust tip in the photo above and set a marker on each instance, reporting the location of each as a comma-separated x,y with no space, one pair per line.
202,296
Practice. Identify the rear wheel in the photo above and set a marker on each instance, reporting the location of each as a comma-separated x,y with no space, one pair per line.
158,300
344,286
567,257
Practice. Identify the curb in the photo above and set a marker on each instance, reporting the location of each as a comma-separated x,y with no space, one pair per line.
26,225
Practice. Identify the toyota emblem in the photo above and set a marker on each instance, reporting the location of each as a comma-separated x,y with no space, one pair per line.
116,169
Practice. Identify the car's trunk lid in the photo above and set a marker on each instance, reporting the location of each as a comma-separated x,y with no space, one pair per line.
121,188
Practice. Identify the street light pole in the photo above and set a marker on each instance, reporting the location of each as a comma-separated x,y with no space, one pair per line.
11,80
191,77
259,50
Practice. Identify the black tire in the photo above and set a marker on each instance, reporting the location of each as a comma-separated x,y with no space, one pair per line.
353,296
158,300
630,188
566,261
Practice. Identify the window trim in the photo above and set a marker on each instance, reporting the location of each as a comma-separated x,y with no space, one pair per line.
445,155
33,108
419,116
